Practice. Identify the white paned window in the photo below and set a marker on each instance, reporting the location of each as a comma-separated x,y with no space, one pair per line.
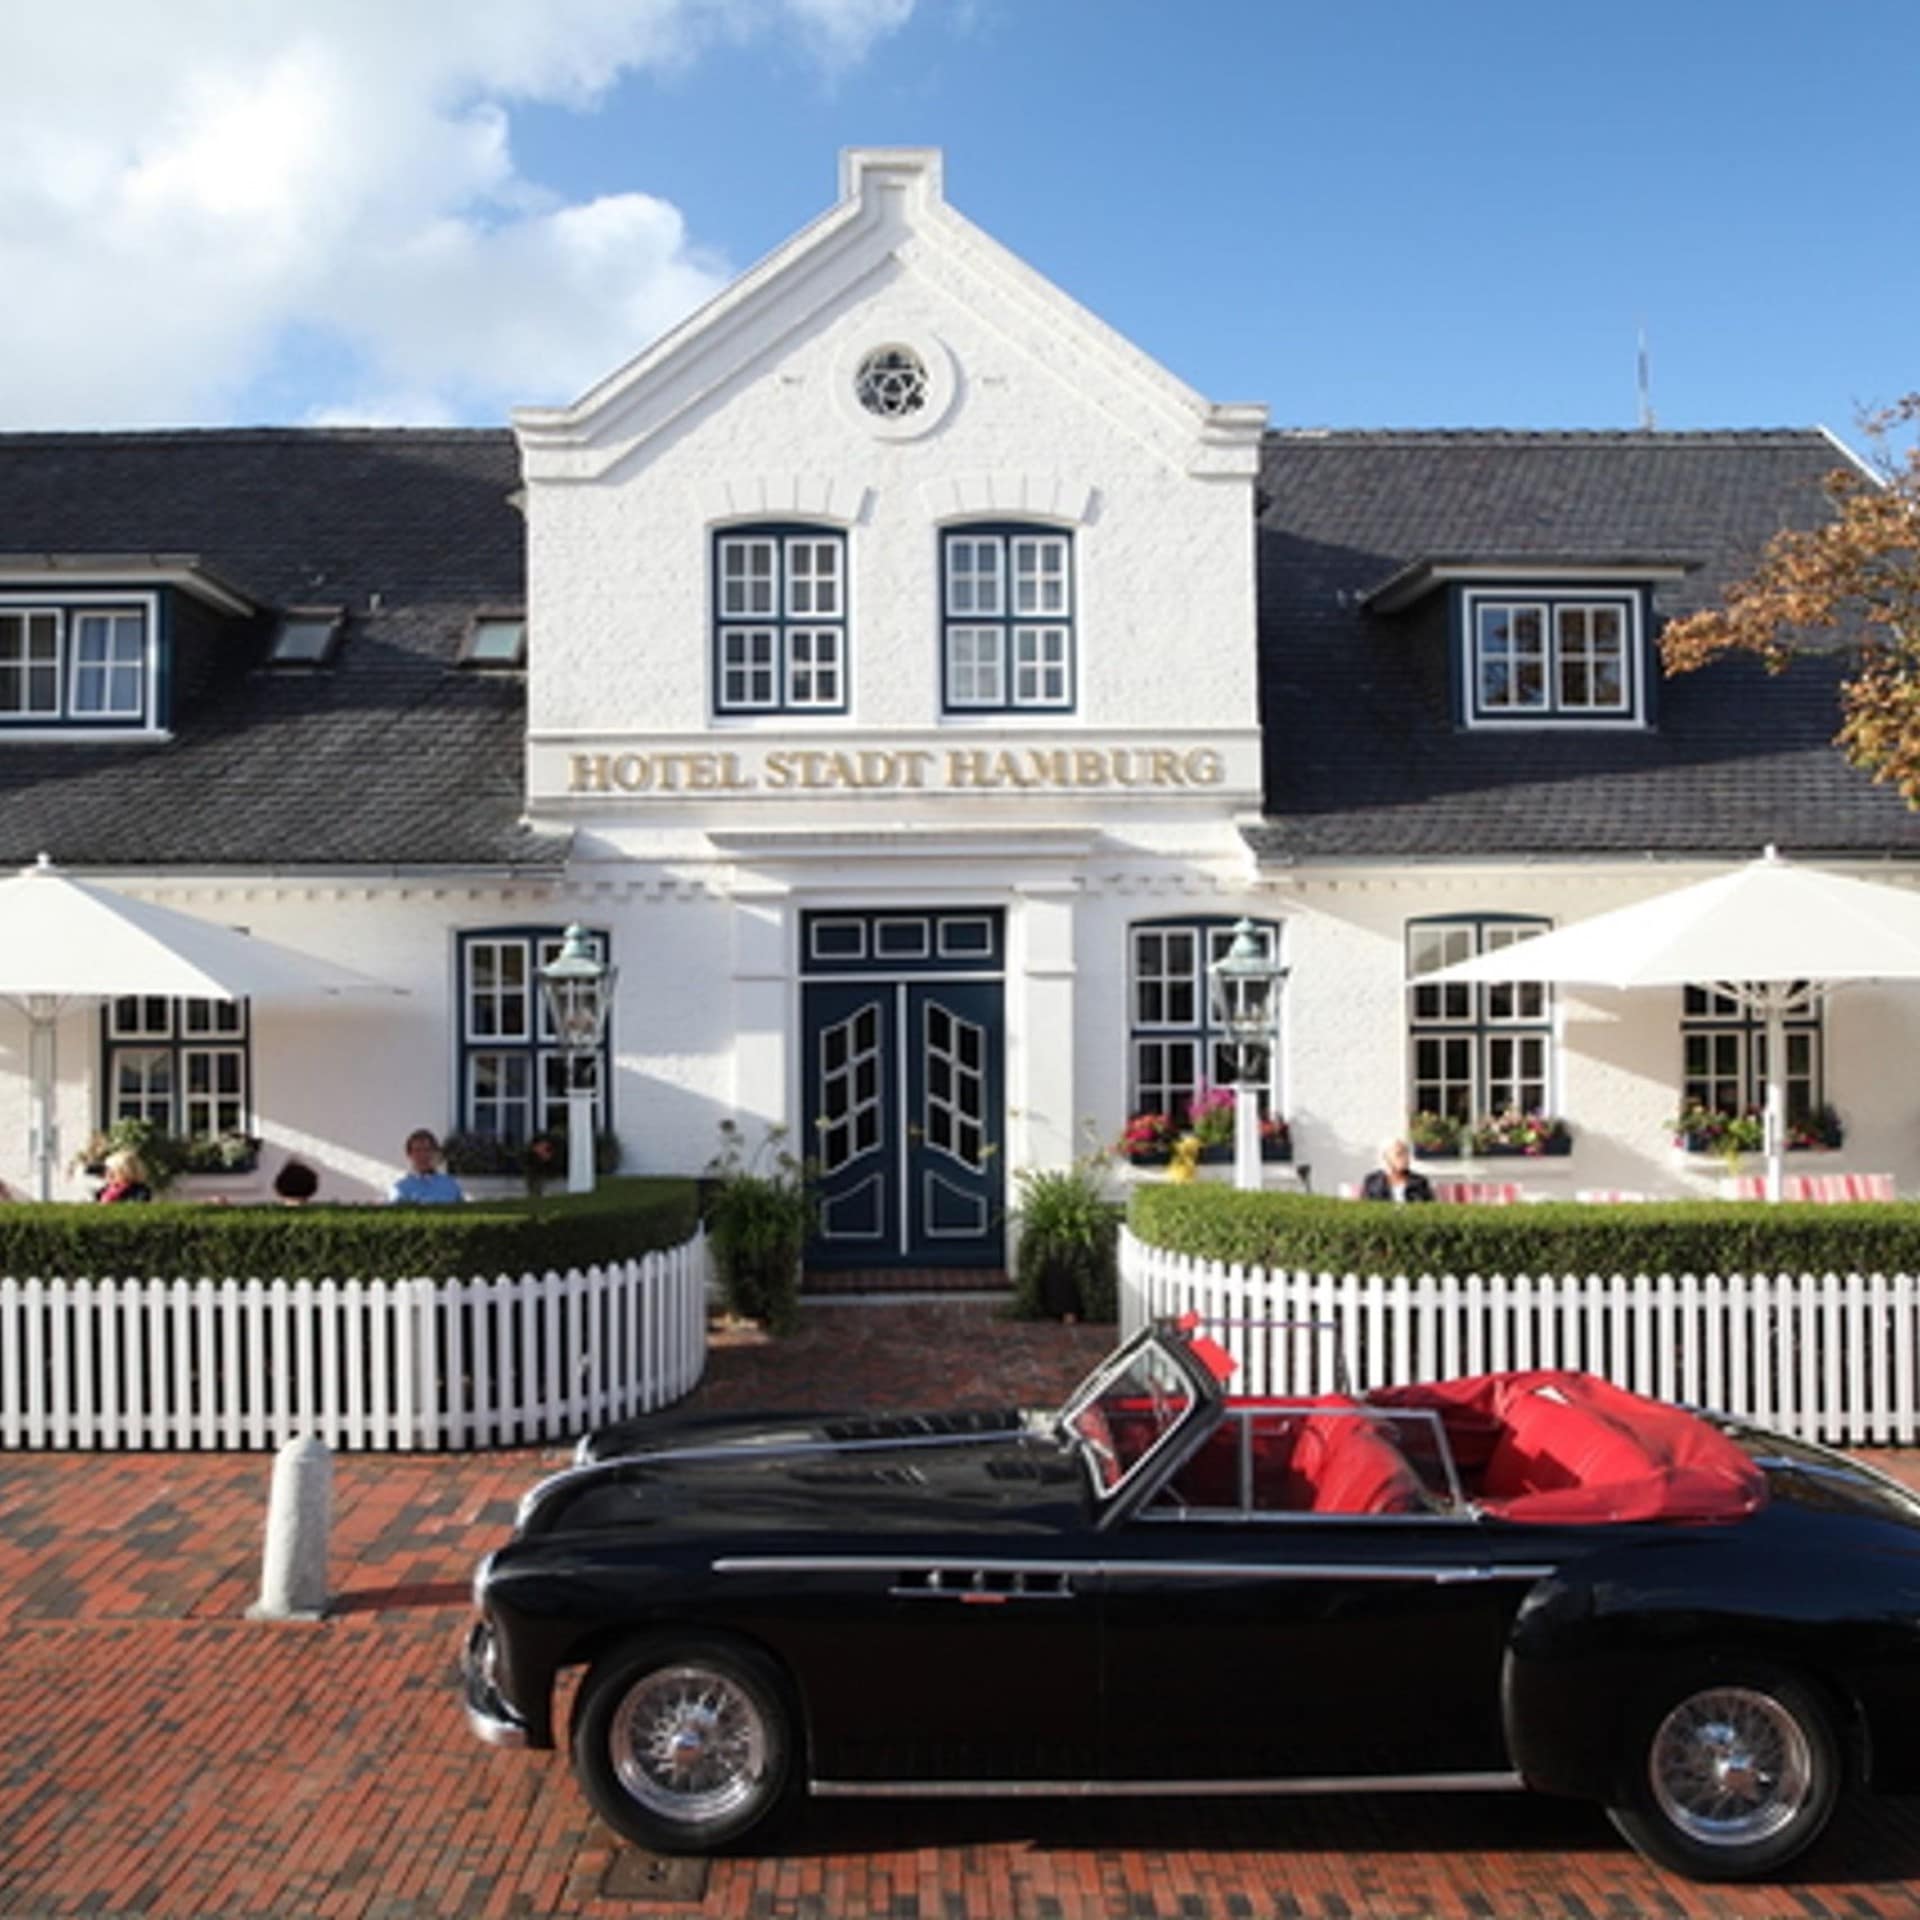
1512,659
1551,658
512,1069
780,633
184,1066
1008,633
974,676
29,665
109,665
1178,1037
213,1091
748,657
78,665
1592,658
1724,1056
1475,1051
813,667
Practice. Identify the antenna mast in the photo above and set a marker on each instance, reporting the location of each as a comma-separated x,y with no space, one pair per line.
1645,386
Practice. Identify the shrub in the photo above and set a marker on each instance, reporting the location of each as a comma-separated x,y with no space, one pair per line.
1069,1244
1560,1237
760,1214
619,1221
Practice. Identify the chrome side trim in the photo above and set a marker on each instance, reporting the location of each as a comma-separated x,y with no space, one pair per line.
1113,1789
1436,1573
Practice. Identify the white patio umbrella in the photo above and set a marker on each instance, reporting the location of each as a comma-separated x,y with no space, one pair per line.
64,940
1773,935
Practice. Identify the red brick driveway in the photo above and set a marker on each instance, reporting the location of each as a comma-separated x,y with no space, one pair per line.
159,1755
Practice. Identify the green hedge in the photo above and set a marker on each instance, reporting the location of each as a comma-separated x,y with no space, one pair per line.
1559,1237
168,1240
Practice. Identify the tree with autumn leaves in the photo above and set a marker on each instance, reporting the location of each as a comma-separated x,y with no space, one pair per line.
1857,576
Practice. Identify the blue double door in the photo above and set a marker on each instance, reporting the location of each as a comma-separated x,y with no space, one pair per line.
904,1046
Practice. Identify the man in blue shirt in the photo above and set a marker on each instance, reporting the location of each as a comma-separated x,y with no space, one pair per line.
425,1185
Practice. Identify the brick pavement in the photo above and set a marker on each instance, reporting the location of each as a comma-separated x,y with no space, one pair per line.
158,1755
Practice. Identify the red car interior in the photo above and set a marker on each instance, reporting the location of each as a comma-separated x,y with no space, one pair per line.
1561,1447
1549,1447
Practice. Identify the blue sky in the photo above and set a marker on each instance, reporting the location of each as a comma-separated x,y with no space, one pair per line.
1362,215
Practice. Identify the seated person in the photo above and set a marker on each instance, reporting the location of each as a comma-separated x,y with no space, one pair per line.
295,1184
126,1178
1394,1178
425,1184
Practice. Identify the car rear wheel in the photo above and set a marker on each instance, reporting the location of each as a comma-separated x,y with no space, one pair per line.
1730,1776
681,1743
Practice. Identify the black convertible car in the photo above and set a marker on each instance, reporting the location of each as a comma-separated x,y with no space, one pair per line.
1522,1580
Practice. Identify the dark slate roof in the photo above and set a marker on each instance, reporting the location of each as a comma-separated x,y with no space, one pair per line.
391,756
1362,757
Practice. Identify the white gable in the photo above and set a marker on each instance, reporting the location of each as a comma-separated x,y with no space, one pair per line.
1026,417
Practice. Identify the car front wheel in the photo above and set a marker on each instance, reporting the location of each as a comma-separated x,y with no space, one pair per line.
1731,1777
682,1744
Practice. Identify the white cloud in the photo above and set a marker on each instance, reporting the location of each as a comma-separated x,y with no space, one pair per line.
190,193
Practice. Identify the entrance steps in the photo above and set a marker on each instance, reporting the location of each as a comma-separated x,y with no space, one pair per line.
896,1283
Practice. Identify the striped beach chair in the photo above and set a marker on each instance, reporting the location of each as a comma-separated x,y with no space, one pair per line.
1478,1193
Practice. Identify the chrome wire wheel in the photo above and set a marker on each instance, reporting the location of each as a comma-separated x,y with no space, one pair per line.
1731,1766
689,1743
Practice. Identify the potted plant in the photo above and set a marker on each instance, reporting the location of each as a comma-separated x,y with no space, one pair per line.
1210,1121
1434,1136
1514,1132
1820,1131
1698,1128
760,1215
1147,1139
1067,1266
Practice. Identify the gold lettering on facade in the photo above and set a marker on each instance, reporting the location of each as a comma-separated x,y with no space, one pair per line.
882,769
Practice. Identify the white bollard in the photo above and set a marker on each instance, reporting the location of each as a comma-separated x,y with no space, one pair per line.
293,1574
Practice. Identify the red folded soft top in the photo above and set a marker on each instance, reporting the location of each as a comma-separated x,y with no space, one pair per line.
1570,1448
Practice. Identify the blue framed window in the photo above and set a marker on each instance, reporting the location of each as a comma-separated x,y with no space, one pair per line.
512,1070
184,1065
1475,1050
1178,1040
780,620
1532,657
1007,627
79,663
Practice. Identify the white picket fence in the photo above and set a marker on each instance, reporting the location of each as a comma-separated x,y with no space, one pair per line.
362,1364
1823,1356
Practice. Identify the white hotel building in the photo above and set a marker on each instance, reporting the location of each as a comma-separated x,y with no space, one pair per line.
912,682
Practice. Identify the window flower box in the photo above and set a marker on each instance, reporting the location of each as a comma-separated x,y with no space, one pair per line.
1701,1130
1151,1139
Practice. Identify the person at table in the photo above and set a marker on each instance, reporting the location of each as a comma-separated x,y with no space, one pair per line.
425,1184
126,1179
1394,1178
295,1184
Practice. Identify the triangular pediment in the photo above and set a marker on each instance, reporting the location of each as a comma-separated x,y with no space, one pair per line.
892,217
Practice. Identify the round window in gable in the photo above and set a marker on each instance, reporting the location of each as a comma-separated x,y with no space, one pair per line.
892,383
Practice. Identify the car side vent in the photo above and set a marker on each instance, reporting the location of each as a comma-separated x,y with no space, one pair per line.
878,1474
923,1426
990,1586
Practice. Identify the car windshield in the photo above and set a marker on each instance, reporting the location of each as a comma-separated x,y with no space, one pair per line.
1127,1411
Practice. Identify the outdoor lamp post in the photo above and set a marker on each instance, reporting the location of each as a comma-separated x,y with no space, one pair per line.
1248,978
578,985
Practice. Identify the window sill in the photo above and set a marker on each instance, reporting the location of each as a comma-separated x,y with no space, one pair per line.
87,736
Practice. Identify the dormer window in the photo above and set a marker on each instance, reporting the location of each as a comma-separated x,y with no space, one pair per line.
1550,658
306,637
74,663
